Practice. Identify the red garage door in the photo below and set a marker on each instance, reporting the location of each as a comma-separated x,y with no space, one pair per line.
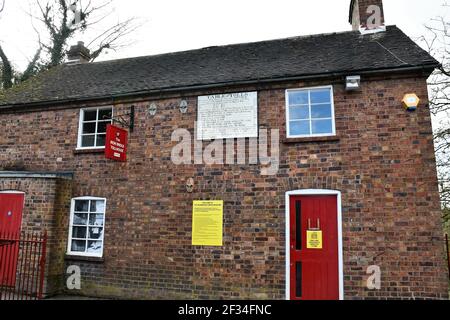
11,206
314,271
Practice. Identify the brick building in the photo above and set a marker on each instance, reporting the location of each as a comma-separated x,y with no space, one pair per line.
354,170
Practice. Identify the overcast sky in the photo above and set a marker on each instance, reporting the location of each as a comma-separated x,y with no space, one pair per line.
174,25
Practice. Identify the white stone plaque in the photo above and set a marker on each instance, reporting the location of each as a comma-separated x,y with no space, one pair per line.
226,116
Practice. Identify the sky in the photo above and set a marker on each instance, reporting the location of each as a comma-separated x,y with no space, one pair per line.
176,25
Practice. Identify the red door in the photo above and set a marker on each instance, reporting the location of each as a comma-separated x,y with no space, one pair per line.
314,272
11,206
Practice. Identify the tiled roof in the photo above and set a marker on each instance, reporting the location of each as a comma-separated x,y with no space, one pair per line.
317,55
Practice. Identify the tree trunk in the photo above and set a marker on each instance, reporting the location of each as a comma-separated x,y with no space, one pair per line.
7,71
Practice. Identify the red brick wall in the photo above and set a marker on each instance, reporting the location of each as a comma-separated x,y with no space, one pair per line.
47,202
383,164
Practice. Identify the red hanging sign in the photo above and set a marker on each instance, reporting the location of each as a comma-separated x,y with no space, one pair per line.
116,143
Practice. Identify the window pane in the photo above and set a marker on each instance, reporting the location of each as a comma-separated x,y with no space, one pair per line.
322,126
299,128
102,126
320,96
299,112
95,247
101,140
79,232
88,141
90,115
79,245
95,233
298,279
321,111
298,225
96,219
98,206
105,114
81,205
299,97
80,218
89,127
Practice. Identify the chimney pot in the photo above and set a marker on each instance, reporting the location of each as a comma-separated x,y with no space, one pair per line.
367,16
78,54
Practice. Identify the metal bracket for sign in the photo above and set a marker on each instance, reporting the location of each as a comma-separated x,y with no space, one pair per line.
120,119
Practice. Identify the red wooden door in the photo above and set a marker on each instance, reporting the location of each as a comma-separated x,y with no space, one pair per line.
11,206
314,273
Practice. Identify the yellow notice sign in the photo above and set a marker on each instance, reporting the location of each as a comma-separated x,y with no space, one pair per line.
207,223
313,239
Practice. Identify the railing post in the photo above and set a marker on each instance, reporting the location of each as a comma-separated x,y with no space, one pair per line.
21,254
2,262
42,265
448,254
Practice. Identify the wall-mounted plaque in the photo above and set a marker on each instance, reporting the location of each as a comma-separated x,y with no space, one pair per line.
226,116
207,223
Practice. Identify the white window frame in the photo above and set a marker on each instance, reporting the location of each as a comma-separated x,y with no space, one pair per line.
80,127
69,242
333,118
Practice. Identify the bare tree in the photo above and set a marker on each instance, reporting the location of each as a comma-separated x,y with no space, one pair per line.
61,21
438,43
5,66
6,69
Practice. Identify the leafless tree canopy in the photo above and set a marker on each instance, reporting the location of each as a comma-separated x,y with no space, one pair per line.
438,43
56,22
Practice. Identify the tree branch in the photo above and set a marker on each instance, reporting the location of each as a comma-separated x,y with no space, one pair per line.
110,39
33,67
61,24
438,44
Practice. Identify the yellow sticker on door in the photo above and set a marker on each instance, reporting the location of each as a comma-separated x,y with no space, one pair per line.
313,239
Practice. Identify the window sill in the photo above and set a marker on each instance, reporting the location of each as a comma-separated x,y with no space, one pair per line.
312,139
69,257
89,151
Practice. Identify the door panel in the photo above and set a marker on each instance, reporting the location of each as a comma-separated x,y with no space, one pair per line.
319,279
11,207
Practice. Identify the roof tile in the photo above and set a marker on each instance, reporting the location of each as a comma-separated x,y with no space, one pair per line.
274,59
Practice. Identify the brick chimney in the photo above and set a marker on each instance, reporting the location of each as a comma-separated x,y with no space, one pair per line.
367,16
78,54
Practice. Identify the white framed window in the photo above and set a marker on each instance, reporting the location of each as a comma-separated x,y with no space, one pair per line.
87,227
92,127
310,112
